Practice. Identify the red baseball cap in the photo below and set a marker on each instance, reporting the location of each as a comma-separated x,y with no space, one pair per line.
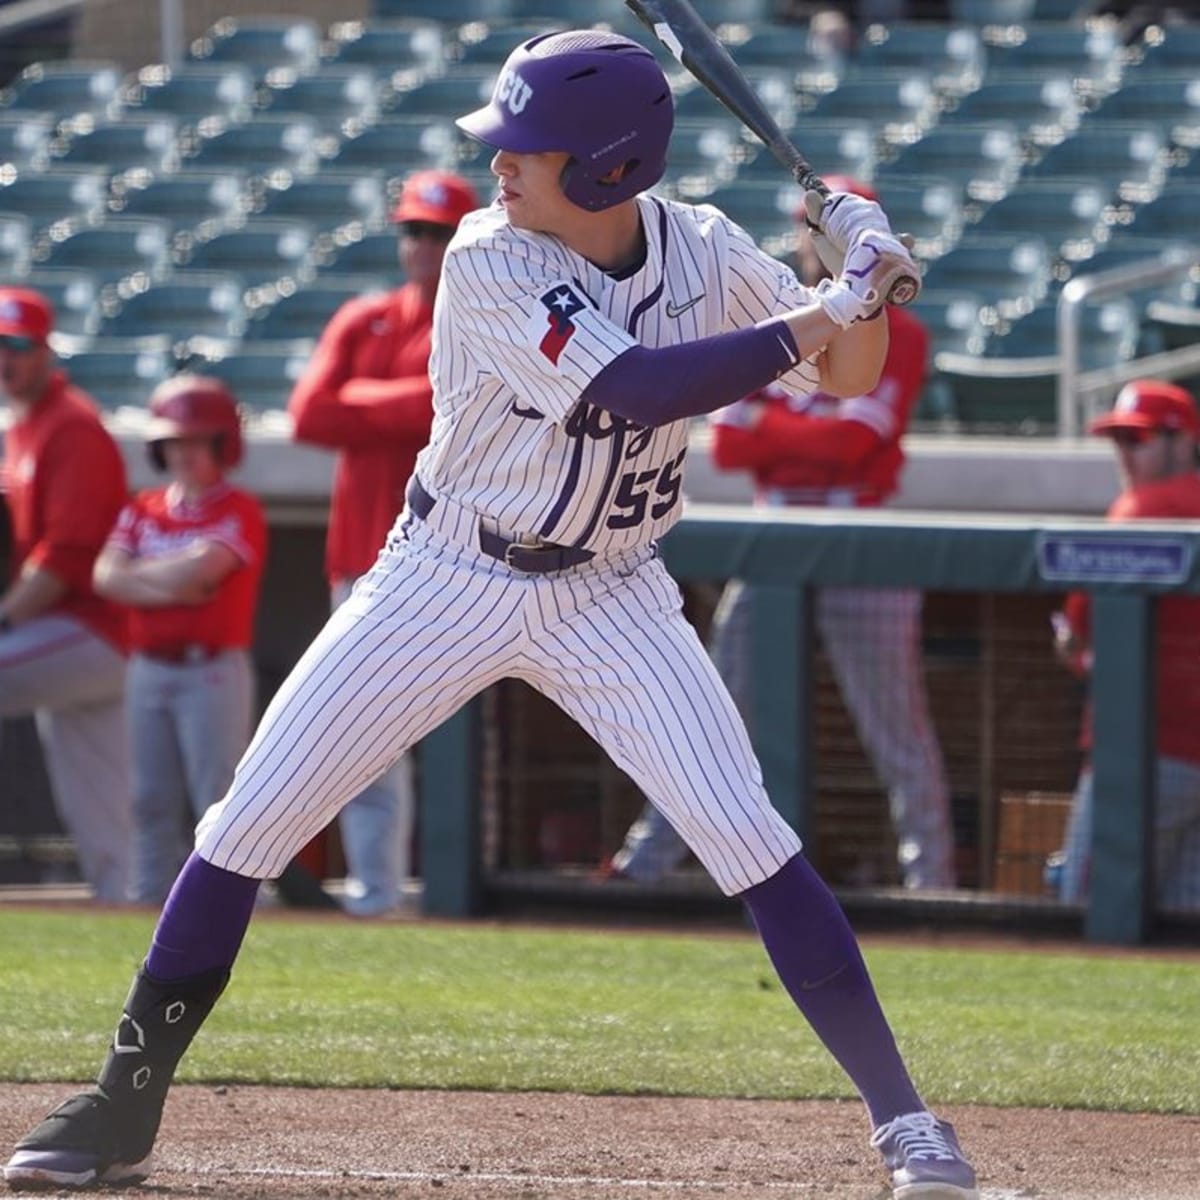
440,197
25,313
1150,404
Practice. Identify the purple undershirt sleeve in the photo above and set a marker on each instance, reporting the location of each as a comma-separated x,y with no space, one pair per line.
656,387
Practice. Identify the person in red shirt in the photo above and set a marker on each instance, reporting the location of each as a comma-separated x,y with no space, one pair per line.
839,453
187,560
366,394
62,647
1154,429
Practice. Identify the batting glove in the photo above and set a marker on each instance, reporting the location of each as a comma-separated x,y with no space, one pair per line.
874,263
834,221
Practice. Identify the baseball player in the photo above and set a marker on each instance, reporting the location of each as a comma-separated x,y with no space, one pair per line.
579,323
366,394
186,559
835,451
62,647
1154,428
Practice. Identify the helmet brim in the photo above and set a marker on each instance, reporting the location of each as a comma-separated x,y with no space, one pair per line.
488,125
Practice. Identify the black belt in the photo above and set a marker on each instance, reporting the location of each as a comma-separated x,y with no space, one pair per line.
533,560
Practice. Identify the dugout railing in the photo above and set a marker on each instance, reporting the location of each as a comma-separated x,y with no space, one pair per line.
788,553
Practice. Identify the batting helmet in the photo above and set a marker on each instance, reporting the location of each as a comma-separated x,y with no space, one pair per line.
600,97
194,406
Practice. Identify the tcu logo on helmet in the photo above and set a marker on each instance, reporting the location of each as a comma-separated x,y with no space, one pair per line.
512,91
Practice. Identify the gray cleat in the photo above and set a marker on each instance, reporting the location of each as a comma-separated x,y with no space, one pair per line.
924,1160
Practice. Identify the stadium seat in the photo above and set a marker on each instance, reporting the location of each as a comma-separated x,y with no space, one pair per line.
186,200
574,14
705,153
303,314
954,320
1012,274
1132,156
929,208
774,88
261,374
135,144
902,104
76,299
16,232
1107,334
765,209
328,200
341,99
810,64
198,309
1091,53
991,12
264,44
372,254
25,139
405,51
469,10
449,96
1172,213
263,251
399,144
192,92
952,56
70,89
1177,325
116,372
1171,104
488,44
48,197
839,147
1068,214
265,144
983,160
1170,46
747,12
112,251
1043,109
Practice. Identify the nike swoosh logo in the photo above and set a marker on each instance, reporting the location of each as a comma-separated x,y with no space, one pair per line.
811,985
532,413
677,310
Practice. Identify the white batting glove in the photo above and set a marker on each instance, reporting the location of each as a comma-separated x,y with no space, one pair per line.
836,220
873,265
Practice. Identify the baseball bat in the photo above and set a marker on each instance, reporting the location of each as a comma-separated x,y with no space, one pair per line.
682,30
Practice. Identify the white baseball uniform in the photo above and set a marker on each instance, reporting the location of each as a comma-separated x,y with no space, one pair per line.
522,325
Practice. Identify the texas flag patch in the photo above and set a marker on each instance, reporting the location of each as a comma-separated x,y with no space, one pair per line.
561,302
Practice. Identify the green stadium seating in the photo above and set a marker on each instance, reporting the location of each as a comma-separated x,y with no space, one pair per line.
773,87
786,48
265,144
264,44
901,104
261,374
840,147
1043,109
1068,214
341,99
705,153
488,44
449,96
952,56
16,233
398,145
447,11
137,143
1012,274
1177,325
929,208
117,372
70,89
76,299
192,309
574,14
328,200
1170,46
1091,53
187,200
112,251
764,208
991,12
372,254
413,50
954,320
748,12
50,197
1171,104
304,314
1129,156
192,91
1172,213
983,160
25,139
263,251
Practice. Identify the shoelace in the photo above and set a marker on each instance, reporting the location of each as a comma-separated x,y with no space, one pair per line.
918,1135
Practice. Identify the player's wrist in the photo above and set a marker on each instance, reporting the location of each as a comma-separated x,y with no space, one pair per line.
842,305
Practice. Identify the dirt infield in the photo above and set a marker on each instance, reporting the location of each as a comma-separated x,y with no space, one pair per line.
260,1143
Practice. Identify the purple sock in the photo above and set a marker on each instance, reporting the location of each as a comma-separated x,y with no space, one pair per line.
814,951
202,923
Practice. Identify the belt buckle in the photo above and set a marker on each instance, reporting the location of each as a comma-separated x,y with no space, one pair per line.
509,551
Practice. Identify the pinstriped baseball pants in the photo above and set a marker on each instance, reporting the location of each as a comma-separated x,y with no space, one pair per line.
434,623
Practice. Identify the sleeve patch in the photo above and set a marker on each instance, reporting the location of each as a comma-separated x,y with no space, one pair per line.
561,303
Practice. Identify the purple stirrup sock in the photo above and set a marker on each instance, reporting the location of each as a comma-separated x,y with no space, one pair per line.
815,954
202,923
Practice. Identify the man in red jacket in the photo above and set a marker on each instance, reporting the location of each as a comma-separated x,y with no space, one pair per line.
839,453
62,646
366,394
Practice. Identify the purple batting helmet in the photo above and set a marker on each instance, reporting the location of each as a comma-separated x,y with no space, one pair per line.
600,97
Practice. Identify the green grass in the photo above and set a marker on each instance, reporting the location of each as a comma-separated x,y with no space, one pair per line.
424,1006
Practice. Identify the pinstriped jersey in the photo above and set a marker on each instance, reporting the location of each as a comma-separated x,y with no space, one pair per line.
522,324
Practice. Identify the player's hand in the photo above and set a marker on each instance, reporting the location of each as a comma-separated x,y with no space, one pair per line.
834,221
874,263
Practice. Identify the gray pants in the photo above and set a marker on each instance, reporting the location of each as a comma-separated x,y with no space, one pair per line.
376,828
872,637
189,723
72,681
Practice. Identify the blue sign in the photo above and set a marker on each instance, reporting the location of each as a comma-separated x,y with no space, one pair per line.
1070,558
